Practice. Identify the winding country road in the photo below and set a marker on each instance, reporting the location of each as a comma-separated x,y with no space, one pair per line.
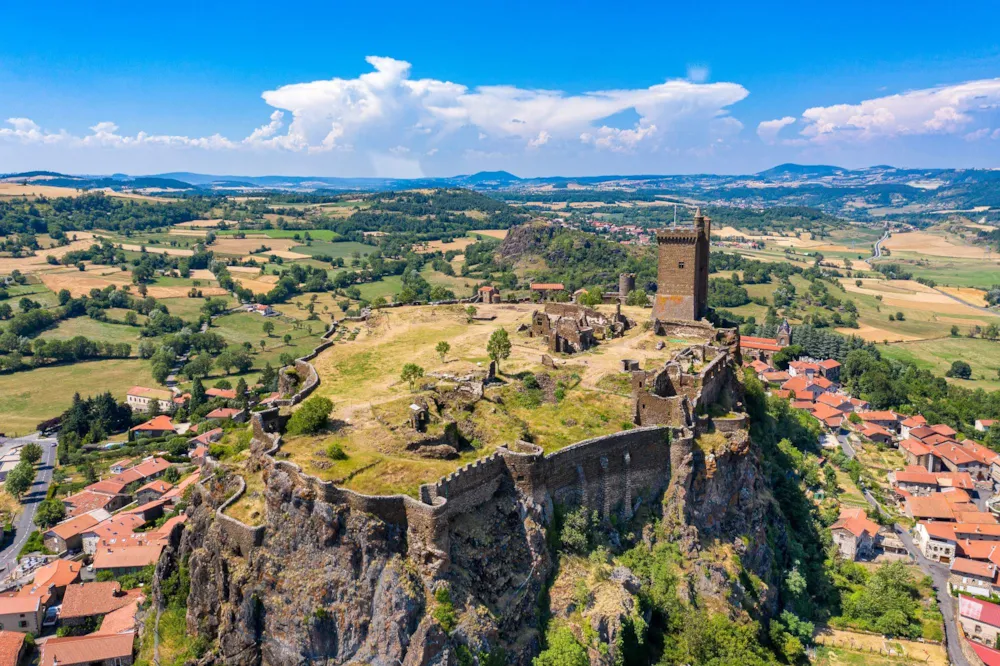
878,245
25,524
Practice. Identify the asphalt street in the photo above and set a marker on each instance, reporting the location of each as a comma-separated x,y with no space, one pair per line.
24,525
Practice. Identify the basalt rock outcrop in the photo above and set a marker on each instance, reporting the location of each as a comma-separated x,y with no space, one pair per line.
335,577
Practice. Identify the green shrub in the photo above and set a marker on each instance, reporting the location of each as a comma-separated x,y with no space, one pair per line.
336,452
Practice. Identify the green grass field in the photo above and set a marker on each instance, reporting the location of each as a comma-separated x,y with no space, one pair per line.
950,272
937,356
189,309
343,249
315,234
99,331
27,398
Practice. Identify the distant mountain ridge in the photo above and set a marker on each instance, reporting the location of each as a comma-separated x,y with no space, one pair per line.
871,193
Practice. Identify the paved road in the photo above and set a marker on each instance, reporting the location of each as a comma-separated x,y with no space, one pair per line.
25,522
939,574
845,445
878,245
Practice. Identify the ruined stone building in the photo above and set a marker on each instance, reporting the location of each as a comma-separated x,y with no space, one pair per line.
682,272
683,388
570,328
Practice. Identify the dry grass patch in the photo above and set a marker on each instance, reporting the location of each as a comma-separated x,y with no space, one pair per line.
976,297
874,334
937,245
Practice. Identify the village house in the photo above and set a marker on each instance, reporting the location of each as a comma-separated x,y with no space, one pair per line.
120,466
142,399
804,388
89,650
158,426
915,480
940,541
840,402
206,438
11,647
54,578
21,613
761,349
972,576
68,535
854,534
803,369
226,394
776,377
984,425
82,601
223,413
909,423
876,433
86,501
980,620
830,369
887,419
489,294
830,417
917,454
989,656
261,309
153,490
126,559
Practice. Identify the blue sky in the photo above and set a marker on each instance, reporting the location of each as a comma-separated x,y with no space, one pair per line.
409,89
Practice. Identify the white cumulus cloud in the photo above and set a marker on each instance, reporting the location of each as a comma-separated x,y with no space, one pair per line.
768,130
942,110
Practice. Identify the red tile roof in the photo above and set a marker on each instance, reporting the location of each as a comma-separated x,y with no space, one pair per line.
802,404
86,501
961,565
74,526
943,429
93,648
823,411
120,621
150,467
914,446
856,526
781,393
107,486
914,421
127,556
953,453
829,364
981,611
58,573
763,344
777,376
874,429
990,656
223,413
157,485
13,604
207,437
11,644
879,416
547,286
87,599
835,400
931,506
161,422
228,394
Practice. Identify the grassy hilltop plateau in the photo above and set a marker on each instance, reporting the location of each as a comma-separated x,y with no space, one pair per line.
311,363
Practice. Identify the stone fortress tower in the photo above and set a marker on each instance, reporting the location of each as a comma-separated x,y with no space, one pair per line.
682,271
626,285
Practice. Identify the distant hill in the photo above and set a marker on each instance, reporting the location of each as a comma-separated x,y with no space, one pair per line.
801,171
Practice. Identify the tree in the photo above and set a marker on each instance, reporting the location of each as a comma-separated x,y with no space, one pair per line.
50,512
268,328
442,349
593,297
31,452
785,356
241,392
637,297
199,366
311,417
20,478
954,331
287,338
563,650
959,370
411,373
197,394
171,475
470,312
498,347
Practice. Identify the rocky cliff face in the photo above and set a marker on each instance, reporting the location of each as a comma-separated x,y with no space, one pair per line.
334,585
